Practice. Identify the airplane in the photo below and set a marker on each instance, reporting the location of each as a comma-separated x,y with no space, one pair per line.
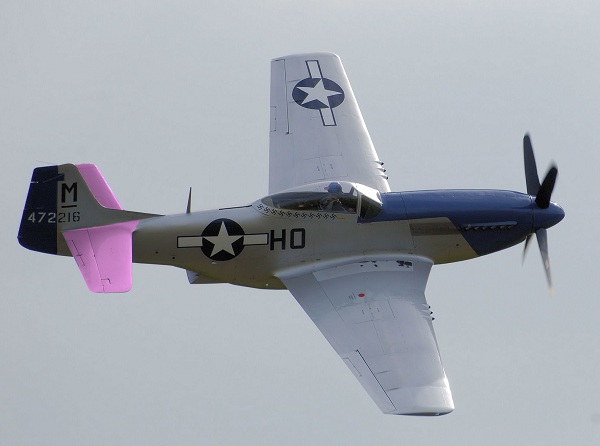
354,255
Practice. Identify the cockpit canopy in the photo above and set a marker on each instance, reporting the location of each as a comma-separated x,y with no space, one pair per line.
337,196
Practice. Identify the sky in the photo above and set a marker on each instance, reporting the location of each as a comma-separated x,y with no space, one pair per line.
167,95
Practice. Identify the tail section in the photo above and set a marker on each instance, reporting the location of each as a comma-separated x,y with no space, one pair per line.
71,210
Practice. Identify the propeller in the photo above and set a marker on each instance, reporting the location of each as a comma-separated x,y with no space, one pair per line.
542,193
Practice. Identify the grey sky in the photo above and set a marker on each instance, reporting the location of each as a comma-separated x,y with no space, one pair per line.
167,95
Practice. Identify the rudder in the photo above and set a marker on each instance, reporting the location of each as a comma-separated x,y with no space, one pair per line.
38,224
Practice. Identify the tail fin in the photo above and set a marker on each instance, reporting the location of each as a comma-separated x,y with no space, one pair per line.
71,210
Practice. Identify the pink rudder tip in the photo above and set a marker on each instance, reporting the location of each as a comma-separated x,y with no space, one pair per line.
98,186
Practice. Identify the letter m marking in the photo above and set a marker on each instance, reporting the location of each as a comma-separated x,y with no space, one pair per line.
65,189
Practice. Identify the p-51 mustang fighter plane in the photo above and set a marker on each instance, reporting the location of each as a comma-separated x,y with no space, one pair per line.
354,255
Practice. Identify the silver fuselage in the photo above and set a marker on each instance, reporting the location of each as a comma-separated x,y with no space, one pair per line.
258,243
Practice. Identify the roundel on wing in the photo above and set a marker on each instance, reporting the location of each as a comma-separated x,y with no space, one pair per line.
222,239
317,93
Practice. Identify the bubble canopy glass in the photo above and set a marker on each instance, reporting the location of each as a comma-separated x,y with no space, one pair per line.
329,196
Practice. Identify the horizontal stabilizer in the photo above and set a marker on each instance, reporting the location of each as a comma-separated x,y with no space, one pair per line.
104,255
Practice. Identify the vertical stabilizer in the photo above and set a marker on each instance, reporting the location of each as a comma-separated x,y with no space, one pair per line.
71,210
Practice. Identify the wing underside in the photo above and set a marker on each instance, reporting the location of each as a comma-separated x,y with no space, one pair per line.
317,130
375,316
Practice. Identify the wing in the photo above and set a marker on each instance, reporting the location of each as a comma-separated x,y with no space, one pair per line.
375,316
317,130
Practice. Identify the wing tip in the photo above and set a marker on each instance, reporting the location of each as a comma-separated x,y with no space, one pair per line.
317,54
422,413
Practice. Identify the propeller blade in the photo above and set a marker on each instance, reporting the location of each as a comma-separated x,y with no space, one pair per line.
531,175
527,240
542,239
544,194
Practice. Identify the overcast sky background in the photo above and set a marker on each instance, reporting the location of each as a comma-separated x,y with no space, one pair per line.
164,95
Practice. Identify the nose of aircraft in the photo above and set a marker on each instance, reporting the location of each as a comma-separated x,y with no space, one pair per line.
546,218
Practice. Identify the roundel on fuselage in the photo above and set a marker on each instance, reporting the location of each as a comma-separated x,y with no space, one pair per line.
223,239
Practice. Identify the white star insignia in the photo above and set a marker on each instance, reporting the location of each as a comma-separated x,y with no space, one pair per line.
223,241
318,93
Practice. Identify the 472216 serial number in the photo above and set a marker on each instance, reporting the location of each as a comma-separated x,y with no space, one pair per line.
54,217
